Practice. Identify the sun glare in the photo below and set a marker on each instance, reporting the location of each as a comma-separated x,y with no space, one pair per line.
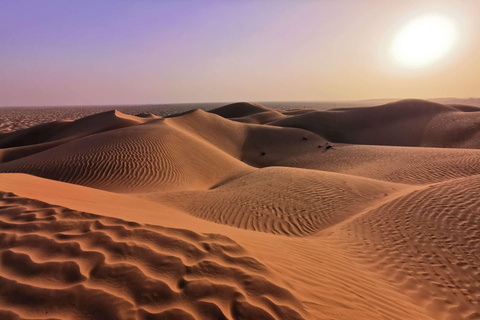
424,41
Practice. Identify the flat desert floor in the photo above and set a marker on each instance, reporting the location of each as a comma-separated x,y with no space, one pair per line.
241,211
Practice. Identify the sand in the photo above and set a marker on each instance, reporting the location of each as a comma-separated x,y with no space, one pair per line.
244,212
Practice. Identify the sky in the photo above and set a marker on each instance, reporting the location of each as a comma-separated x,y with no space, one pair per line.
107,52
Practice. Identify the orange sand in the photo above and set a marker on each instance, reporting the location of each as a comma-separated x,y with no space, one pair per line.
244,212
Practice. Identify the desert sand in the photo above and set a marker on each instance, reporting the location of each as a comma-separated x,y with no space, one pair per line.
243,211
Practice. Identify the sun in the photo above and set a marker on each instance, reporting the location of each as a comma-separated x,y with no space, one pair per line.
424,40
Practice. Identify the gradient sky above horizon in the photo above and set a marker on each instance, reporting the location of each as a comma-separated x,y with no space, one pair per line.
84,52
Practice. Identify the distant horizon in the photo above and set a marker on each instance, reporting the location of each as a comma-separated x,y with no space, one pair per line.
229,102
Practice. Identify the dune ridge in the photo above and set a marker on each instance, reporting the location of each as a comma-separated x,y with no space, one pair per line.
401,123
39,138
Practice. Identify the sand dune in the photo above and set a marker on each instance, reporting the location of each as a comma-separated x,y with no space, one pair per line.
281,200
317,271
253,144
244,212
69,264
69,129
395,164
428,243
29,141
194,150
248,113
402,123
240,109
148,157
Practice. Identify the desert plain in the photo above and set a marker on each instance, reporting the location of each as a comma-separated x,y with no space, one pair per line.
241,211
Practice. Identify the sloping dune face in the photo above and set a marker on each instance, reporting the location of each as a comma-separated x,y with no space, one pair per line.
193,151
428,243
60,130
402,123
245,212
66,264
28,141
282,200
254,144
142,158
414,166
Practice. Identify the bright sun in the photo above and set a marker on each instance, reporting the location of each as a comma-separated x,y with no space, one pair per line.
424,40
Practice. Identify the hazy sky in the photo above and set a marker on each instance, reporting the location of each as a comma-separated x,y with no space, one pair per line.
77,52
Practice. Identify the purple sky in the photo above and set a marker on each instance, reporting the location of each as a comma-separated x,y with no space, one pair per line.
70,52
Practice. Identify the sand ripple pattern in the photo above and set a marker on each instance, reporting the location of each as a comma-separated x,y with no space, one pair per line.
428,243
142,158
286,201
59,263
393,164
118,161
